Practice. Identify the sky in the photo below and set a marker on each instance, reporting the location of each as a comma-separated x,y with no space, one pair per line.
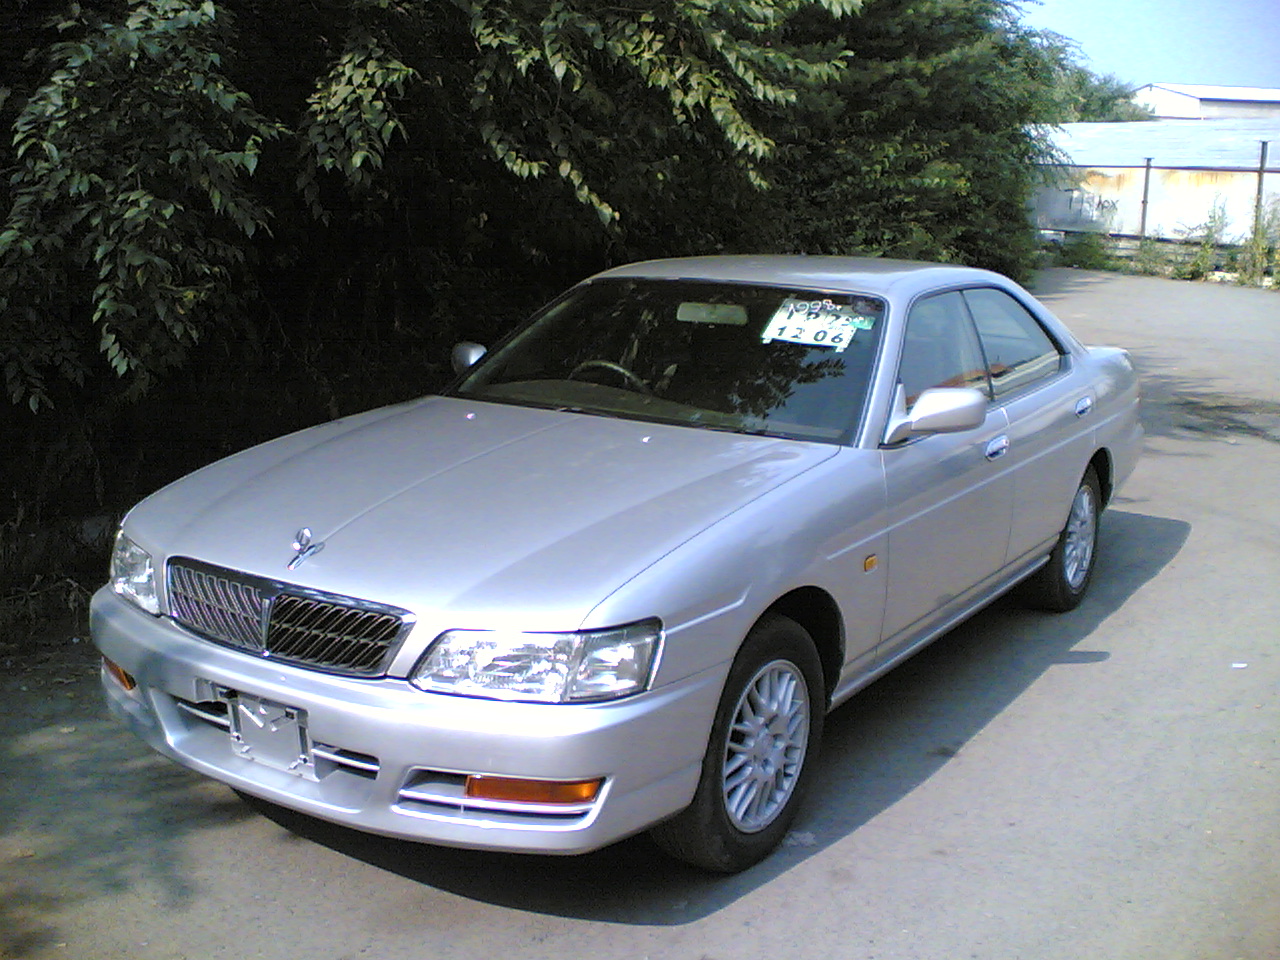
1230,42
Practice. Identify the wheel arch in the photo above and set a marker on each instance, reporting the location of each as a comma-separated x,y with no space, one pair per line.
1101,463
817,611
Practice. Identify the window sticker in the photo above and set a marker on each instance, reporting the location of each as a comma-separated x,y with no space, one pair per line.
816,323
730,314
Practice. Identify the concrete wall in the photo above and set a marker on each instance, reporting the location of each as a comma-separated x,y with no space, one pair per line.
1180,201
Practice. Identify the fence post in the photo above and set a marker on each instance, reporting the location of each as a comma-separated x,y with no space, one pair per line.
1146,189
1257,203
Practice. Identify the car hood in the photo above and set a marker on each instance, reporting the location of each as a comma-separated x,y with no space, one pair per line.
480,514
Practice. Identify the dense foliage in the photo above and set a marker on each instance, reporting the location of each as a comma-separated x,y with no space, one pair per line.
1079,95
925,147
137,187
221,219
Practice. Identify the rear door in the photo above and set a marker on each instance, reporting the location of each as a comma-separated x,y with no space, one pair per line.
1049,410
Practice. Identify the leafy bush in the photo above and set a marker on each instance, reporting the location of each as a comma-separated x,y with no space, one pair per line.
1088,251
1208,253
1261,252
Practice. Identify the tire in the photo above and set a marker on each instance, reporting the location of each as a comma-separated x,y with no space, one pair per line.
1061,583
758,762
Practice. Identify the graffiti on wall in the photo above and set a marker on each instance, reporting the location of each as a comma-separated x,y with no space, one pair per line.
1170,203
1092,207
1073,208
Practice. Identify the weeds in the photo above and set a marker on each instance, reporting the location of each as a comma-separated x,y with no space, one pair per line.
1260,254
46,569
1087,251
1210,234
1150,259
42,600
1200,254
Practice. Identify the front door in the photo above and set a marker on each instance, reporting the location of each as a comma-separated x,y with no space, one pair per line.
949,496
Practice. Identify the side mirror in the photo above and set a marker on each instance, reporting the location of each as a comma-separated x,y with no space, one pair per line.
937,410
465,356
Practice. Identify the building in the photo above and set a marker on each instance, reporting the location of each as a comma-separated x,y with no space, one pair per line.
1191,101
1162,179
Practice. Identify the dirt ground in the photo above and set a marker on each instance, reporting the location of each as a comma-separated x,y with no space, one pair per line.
50,678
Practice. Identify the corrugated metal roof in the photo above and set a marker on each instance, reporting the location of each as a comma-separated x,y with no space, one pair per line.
1203,91
1215,144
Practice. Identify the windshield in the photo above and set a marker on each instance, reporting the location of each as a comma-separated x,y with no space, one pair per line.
753,359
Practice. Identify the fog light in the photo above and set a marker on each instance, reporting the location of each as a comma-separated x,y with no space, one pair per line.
122,676
517,790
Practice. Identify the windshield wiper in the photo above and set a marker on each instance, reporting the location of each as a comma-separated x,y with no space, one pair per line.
590,411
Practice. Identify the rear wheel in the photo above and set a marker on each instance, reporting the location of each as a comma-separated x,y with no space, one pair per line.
762,747
1061,583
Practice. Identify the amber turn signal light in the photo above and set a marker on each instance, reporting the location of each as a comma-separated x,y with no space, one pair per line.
517,790
122,677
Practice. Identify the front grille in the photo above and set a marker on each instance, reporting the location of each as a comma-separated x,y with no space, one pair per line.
216,605
329,634
285,622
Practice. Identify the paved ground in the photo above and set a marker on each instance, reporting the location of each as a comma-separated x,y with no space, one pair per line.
1104,784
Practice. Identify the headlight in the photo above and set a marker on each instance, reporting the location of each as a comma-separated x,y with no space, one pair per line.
133,575
542,667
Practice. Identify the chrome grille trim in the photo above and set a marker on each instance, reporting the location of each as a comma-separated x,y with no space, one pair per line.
325,634
360,763
214,713
442,795
216,605
285,622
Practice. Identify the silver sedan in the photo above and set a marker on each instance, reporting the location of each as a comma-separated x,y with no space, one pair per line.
614,577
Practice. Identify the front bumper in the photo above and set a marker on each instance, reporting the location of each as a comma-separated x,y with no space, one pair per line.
382,756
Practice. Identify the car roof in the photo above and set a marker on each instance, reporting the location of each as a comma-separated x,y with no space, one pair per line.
872,275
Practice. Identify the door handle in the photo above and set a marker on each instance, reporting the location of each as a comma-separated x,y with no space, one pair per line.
1083,406
998,447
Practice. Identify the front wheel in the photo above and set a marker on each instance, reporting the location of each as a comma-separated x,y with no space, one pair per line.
1061,583
762,747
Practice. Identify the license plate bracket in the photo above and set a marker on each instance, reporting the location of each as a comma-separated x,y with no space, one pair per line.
270,733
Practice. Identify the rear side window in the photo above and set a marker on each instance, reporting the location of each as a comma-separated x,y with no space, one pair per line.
940,349
1018,351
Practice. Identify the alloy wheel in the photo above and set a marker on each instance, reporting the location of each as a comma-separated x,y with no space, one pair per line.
766,746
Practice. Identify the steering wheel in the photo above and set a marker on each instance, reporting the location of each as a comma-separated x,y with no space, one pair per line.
631,379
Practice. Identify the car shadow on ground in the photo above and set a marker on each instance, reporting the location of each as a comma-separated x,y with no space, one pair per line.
1184,408
87,811
878,748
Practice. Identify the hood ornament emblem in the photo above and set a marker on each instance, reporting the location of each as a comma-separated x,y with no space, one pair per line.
303,548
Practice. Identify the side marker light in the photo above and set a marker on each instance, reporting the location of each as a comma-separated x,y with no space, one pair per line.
119,674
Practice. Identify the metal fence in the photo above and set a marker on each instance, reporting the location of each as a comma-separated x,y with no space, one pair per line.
1162,202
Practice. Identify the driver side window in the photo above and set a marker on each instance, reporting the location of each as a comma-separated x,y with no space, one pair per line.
940,348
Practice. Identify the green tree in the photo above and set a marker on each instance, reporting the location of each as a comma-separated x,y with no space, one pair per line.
1080,95
300,205
925,147
137,200
129,198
